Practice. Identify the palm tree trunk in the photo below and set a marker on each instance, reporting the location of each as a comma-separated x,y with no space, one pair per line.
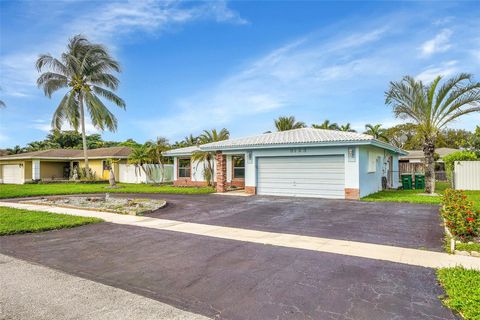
212,178
429,151
84,136
162,169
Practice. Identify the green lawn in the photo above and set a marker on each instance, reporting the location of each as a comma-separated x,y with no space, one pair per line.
26,190
462,288
14,221
414,196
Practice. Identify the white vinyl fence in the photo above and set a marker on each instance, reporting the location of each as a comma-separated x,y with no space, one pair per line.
130,173
466,175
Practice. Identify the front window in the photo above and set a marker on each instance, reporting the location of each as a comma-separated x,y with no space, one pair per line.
106,166
184,168
238,167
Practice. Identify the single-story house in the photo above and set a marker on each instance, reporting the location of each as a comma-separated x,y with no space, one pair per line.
58,164
303,162
417,156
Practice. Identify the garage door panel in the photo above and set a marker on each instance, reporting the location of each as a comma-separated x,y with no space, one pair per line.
276,181
305,176
288,174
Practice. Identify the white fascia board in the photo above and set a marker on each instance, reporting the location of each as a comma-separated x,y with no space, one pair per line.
303,145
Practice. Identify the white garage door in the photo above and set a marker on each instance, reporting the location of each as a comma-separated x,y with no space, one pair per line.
308,176
12,173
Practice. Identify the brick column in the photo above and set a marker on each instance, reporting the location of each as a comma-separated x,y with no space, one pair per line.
221,171
352,194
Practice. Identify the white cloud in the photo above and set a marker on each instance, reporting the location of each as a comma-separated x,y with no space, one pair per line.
440,43
45,126
150,16
303,69
105,23
445,69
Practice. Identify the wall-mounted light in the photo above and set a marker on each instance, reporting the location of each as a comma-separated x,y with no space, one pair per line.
351,154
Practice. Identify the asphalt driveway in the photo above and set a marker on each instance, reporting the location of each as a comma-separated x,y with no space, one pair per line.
398,224
230,279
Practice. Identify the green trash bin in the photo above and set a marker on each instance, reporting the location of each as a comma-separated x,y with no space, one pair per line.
419,181
407,181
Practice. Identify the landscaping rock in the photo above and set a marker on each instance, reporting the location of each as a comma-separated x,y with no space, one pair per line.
108,204
475,254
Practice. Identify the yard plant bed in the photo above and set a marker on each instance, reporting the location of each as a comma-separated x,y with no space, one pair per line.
462,288
462,222
13,221
28,190
104,203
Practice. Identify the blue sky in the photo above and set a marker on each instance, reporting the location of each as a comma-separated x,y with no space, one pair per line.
189,66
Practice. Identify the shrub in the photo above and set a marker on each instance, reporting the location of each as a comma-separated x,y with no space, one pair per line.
450,159
461,218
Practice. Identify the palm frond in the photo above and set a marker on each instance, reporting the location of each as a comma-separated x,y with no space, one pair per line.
47,61
109,96
99,114
104,79
67,110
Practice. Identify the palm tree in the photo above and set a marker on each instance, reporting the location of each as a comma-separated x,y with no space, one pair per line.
155,149
85,70
431,107
288,123
140,157
206,157
346,128
326,125
376,131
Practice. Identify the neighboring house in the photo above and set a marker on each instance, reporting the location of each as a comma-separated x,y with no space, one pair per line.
417,156
58,164
414,162
303,162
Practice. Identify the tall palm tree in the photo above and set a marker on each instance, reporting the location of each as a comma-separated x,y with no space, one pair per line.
207,157
288,123
85,69
376,131
346,127
155,149
432,106
326,125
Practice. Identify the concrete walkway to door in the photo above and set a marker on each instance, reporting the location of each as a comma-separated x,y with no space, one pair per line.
407,256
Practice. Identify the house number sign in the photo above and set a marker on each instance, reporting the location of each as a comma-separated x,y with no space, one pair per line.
298,150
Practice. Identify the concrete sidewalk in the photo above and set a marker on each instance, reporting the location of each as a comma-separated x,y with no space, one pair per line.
407,256
29,291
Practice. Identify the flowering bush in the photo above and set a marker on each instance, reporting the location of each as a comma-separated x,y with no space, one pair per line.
461,218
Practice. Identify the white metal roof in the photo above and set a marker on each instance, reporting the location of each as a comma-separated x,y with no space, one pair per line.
181,151
295,136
